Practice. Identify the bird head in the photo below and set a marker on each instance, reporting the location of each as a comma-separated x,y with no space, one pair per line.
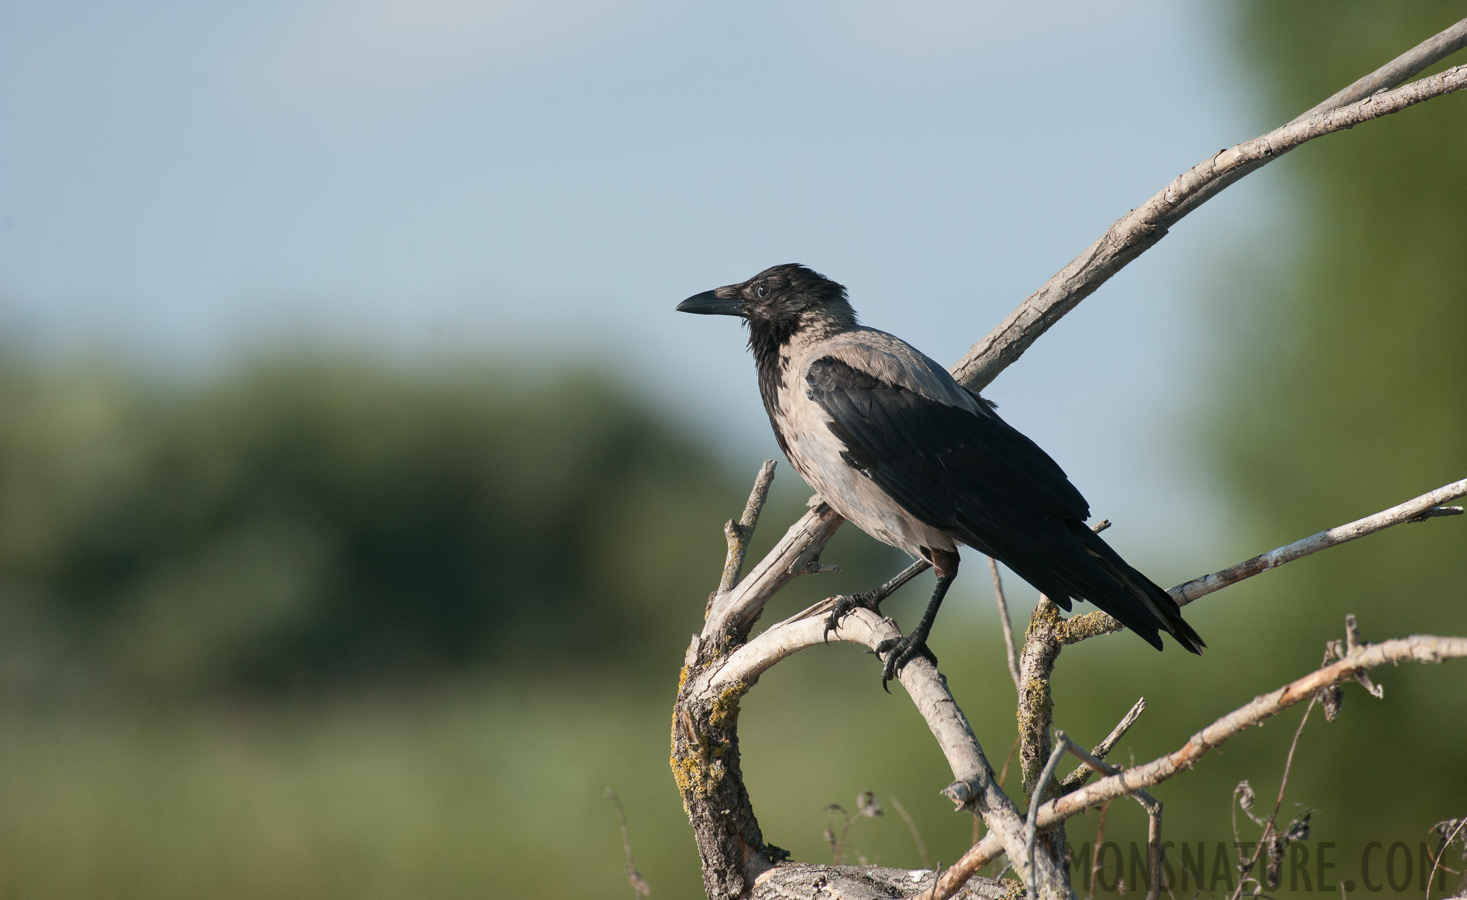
783,299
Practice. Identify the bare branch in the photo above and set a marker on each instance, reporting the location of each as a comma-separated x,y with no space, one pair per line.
912,829
1006,623
1417,648
1137,231
1432,50
1270,825
739,533
1153,847
1149,803
1410,511
1127,238
1102,749
1031,820
1418,58
1091,624
973,785
802,880
735,612
951,881
634,878
1436,860
1036,705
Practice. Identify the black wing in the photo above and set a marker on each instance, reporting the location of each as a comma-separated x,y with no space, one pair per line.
974,476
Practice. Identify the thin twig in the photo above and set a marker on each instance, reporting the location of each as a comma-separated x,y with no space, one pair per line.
1096,858
1399,514
1094,763
1417,648
634,878
738,533
1270,825
1102,750
912,827
1154,848
1004,775
1436,861
1005,622
1092,624
1031,821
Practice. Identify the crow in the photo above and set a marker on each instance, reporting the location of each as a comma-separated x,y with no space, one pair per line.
896,446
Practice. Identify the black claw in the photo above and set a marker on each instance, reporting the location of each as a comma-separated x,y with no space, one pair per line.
900,651
845,604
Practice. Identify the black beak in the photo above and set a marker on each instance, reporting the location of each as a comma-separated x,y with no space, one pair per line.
709,303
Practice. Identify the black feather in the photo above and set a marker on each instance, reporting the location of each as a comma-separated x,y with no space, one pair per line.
972,475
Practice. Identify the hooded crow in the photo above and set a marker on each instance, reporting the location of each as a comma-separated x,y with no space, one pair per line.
914,459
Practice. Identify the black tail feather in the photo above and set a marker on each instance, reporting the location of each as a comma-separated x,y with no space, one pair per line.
1130,595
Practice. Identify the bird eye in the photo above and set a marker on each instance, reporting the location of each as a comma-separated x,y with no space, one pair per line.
759,289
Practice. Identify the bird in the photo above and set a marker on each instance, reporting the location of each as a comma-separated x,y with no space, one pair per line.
900,449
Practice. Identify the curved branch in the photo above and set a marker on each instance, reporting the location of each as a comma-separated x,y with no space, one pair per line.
1417,648
974,784
1432,50
1408,64
1138,230
1417,509
734,612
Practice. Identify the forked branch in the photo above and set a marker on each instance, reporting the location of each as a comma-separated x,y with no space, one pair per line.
1417,648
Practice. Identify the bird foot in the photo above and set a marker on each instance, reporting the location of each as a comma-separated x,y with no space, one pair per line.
897,652
845,604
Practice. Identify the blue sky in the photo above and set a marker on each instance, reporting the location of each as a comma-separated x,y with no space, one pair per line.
185,184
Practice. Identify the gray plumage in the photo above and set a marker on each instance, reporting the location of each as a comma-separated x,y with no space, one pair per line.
896,446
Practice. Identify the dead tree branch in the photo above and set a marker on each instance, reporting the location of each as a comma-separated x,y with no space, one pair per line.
973,786
739,532
1417,509
1137,231
1102,749
1006,623
1417,648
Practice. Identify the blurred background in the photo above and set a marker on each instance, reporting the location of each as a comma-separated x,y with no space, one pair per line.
359,488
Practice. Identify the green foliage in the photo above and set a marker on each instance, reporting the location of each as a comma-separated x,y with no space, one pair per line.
309,522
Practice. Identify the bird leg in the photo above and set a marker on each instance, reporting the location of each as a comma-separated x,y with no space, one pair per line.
899,651
845,604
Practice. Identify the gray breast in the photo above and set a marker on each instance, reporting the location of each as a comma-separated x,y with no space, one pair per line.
816,453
